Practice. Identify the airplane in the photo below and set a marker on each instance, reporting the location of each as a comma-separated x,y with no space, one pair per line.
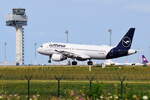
145,61
110,63
80,52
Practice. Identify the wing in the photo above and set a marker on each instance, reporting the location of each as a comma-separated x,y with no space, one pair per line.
71,54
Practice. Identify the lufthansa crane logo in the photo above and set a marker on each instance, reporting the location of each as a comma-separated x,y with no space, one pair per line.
126,41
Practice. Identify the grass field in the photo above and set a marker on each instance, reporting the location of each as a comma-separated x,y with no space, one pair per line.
74,83
75,73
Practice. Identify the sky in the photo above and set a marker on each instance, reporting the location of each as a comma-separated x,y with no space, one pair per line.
88,22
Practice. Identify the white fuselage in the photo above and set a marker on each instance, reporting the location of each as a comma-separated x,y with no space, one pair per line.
93,51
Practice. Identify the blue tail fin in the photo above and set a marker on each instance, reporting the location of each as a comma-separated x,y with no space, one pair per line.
124,45
126,41
144,60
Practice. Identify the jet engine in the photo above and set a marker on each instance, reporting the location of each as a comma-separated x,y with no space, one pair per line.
58,57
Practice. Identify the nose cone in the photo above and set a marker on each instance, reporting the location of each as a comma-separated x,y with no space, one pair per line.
39,50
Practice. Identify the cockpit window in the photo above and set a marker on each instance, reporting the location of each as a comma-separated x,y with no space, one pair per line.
41,46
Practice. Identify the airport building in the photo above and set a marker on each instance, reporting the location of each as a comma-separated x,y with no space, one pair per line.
18,19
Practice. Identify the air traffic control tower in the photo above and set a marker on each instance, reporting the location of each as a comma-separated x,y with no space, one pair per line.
18,19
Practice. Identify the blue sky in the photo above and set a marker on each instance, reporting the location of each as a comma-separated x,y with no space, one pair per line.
88,22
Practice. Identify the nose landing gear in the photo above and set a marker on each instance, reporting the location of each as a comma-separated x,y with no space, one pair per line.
49,61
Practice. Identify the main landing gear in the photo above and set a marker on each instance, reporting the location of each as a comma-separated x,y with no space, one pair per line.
90,62
69,62
74,62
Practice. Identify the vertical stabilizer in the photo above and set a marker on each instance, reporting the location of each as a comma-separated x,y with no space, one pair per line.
144,60
126,41
123,47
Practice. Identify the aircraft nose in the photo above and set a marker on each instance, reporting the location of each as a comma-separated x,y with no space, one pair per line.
39,50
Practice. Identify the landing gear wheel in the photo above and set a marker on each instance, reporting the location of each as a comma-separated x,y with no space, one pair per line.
17,64
90,63
74,63
49,61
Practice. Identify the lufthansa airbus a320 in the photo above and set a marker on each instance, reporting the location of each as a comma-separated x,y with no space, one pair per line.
78,52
